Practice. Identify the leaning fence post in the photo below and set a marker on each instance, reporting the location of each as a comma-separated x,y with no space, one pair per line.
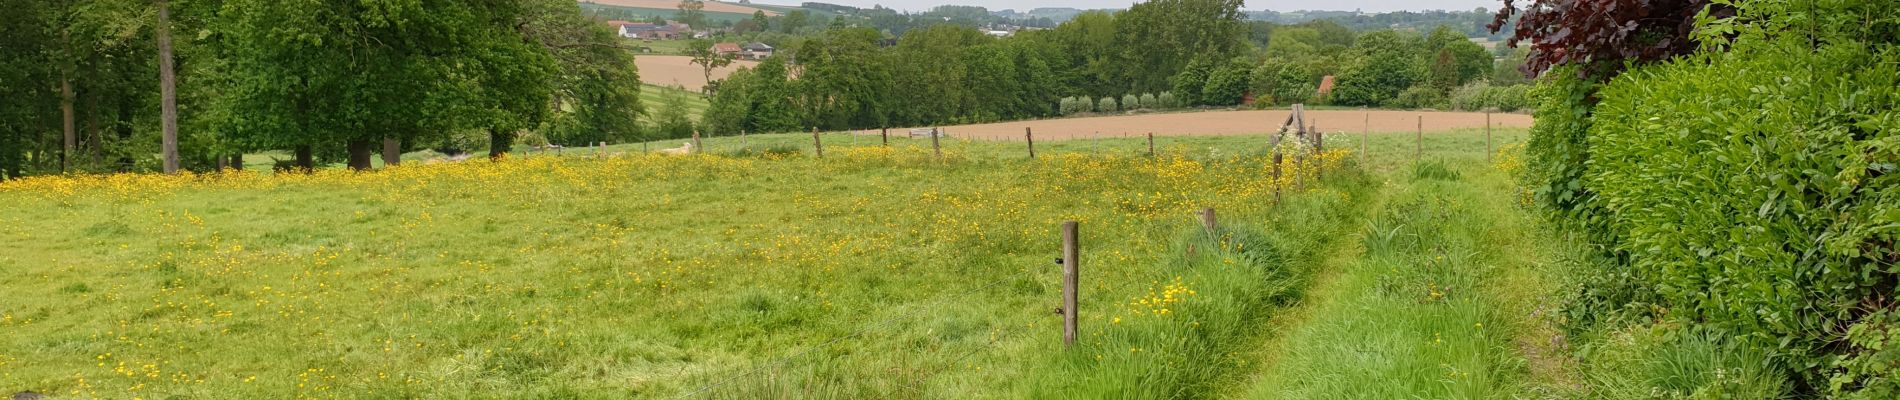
817,144
935,147
1071,258
744,142
696,147
1029,136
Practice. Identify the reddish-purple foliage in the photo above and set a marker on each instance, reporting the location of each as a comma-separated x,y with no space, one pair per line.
1601,34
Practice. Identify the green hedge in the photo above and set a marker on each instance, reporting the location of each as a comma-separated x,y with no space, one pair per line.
1755,192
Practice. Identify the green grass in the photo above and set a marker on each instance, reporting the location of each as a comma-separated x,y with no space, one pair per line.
675,47
654,96
872,273
649,276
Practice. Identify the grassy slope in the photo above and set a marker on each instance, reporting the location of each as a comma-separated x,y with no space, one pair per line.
653,97
652,276
643,276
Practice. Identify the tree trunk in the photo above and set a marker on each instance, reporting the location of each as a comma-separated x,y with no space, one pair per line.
392,151
359,153
168,89
92,130
498,143
237,162
305,162
71,136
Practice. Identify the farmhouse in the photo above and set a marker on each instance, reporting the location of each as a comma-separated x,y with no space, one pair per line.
757,51
726,49
651,31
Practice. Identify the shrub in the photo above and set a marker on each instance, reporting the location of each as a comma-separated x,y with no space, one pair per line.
1130,102
1421,96
1107,105
1148,101
1066,106
1762,205
1083,104
1480,96
1166,100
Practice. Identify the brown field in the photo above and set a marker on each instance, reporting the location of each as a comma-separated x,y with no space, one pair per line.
674,4
679,70
1232,123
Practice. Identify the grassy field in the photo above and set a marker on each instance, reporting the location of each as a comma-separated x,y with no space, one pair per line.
756,271
654,97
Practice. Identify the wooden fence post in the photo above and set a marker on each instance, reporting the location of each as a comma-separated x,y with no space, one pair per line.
1487,137
1276,174
744,140
1419,155
936,147
1029,136
1071,259
1208,222
817,144
886,135
1151,144
1365,140
697,148
1319,151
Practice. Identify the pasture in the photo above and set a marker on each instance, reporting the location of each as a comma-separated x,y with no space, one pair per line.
756,270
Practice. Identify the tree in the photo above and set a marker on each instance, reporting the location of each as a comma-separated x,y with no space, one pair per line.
1602,34
168,86
1161,36
1227,84
708,60
672,121
596,93
794,20
845,80
692,13
761,21
1192,80
1384,64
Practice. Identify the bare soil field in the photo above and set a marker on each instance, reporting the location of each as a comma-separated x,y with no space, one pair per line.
680,70
711,6
1232,123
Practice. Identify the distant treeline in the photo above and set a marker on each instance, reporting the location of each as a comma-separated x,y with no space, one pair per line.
1200,52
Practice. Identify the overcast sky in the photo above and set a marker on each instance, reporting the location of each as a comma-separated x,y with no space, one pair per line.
1276,5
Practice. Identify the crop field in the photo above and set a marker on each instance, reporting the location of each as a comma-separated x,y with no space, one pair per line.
668,70
754,271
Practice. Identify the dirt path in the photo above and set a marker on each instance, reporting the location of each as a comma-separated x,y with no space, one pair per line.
1230,123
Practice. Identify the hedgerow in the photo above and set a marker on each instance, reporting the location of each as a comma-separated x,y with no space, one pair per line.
1752,192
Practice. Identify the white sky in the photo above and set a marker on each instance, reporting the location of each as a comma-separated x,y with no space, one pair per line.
1276,5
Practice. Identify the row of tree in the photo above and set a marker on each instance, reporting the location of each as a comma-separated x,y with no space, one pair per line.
104,85
1201,51
850,78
